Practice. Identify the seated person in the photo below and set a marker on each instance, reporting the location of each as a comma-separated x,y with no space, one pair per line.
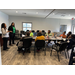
38,32
20,44
31,34
63,35
49,33
71,42
39,37
69,34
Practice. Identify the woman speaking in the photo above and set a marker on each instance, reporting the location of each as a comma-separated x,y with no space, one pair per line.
5,35
12,34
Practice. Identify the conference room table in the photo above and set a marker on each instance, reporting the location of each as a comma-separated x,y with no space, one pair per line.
52,38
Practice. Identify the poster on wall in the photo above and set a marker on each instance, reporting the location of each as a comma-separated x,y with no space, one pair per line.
63,28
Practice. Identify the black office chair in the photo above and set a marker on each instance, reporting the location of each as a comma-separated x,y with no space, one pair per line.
40,44
33,31
26,44
70,47
72,60
27,30
37,31
17,34
43,30
22,32
60,48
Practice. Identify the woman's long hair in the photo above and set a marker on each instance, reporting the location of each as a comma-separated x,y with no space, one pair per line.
3,26
12,23
49,31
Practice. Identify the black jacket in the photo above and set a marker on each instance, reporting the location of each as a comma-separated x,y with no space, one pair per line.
11,29
71,43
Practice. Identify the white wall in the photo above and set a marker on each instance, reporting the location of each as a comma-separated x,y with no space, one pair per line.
40,23
4,18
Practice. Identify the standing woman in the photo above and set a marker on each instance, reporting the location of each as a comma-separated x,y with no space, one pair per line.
12,34
5,35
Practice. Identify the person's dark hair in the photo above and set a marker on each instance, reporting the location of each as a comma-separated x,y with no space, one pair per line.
70,33
12,23
3,25
39,34
28,34
49,31
64,31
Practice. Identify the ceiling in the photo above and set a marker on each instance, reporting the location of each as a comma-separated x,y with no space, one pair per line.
41,13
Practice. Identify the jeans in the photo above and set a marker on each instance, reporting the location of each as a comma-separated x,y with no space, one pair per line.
5,43
11,38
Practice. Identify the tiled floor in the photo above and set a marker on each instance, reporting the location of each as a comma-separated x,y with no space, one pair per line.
12,57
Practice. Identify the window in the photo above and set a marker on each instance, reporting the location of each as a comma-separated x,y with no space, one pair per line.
26,26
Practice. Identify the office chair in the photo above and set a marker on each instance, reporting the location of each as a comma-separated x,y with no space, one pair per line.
33,31
27,31
43,30
40,44
72,60
60,48
37,31
26,45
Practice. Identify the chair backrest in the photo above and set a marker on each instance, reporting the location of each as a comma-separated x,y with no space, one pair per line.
22,32
33,31
37,31
70,46
43,30
43,33
27,30
40,43
63,46
27,42
17,31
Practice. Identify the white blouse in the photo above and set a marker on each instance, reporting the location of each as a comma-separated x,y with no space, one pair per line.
4,33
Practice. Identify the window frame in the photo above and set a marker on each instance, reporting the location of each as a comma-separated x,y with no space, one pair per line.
26,27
